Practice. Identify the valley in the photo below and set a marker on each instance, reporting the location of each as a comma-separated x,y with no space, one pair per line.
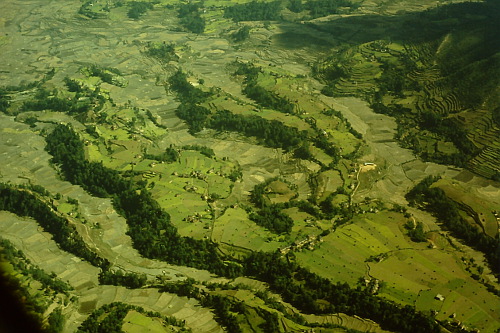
249,166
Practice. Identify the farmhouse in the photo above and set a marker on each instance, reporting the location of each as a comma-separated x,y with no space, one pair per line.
439,297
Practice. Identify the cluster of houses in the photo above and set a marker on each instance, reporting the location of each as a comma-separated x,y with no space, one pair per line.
198,174
193,174
308,243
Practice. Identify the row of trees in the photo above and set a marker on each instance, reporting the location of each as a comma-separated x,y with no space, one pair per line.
271,133
24,266
109,318
304,290
225,309
119,278
155,237
148,224
7,91
446,210
49,100
24,203
259,94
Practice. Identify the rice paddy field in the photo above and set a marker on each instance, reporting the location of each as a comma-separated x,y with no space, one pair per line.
208,195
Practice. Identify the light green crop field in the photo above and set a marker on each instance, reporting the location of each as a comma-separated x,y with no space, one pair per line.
136,322
411,274
235,228
139,118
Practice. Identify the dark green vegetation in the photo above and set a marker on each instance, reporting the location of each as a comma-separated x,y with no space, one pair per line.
161,51
319,8
296,221
416,232
416,70
109,318
25,202
149,225
262,96
47,100
241,34
225,309
271,133
138,8
190,17
254,11
23,265
33,306
155,237
208,152
120,278
446,210
304,290
169,155
272,218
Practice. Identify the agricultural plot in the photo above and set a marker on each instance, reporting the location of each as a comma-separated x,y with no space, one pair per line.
197,318
234,228
480,209
39,247
409,273
197,192
328,182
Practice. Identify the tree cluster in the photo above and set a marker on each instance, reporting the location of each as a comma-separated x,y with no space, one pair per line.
106,74
161,51
259,94
272,218
138,8
319,8
155,237
190,17
186,92
204,150
295,6
48,100
7,91
169,155
416,232
254,11
67,151
130,280
241,34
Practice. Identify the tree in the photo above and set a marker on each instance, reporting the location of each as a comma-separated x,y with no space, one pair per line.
241,34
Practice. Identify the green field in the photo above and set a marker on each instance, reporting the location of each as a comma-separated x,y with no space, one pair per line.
88,64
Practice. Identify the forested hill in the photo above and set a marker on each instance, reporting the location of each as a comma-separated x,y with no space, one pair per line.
436,71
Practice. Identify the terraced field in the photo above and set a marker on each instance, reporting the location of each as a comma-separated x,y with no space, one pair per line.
365,174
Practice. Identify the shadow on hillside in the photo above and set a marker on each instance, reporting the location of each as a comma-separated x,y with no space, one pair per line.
417,27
